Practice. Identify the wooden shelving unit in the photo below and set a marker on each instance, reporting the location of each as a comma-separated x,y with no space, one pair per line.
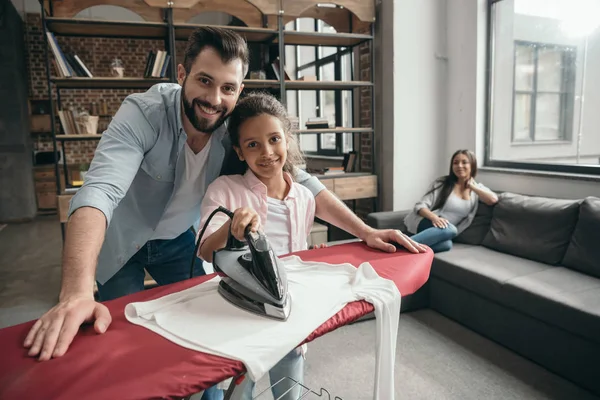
326,85
265,20
96,28
324,39
75,138
260,84
106,83
335,130
252,35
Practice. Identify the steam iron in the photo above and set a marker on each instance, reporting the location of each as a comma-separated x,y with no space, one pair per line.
252,277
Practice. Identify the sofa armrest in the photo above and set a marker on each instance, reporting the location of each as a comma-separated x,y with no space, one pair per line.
388,220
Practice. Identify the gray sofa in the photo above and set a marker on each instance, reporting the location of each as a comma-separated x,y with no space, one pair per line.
525,274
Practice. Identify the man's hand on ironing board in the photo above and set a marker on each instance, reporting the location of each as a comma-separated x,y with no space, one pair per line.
334,211
53,333
387,239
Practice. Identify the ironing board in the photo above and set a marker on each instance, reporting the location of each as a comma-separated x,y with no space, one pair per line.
131,362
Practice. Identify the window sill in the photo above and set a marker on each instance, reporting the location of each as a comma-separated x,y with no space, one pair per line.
541,143
546,174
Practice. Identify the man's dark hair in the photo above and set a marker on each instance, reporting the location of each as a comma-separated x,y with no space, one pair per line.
226,42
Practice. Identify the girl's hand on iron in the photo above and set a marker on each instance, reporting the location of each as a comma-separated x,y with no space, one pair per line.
243,217
318,246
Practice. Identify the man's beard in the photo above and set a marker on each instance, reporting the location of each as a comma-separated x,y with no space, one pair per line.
200,123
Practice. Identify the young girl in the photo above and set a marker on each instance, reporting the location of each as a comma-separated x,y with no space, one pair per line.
448,208
266,197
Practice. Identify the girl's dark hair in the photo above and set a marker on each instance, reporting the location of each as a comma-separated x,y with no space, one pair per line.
226,42
447,182
256,104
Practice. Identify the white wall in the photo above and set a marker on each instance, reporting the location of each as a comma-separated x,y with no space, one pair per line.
419,86
465,76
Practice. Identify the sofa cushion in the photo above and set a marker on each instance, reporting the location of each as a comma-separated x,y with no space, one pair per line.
558,296
388,220
536,228
583,253
481,270
480,226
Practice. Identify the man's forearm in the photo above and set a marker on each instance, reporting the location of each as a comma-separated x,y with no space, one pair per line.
84,237
334,211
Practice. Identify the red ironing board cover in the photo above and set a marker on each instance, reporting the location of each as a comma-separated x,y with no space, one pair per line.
131,362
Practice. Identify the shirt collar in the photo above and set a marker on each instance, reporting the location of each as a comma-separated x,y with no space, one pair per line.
255,184
178,115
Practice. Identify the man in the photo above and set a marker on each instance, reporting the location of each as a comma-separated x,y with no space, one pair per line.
145,186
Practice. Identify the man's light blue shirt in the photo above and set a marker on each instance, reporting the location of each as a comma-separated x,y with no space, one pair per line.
134,173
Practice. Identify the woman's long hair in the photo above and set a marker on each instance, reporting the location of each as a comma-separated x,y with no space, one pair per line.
256,104
447,182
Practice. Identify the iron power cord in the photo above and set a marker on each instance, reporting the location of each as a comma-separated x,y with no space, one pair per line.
212,214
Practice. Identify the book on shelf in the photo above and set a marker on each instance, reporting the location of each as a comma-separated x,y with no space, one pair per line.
66,65
275,66
349,161
74,122
157,64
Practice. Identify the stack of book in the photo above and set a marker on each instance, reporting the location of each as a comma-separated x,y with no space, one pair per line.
67,65
157,64
347,165
334,171
68,121
317,123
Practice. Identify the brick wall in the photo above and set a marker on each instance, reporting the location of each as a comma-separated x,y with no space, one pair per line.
363,207
365,107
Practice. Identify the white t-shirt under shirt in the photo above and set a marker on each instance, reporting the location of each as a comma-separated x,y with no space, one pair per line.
278,226
456,209
187,193
318,291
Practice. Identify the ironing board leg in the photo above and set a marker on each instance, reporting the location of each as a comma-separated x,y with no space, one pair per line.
237,387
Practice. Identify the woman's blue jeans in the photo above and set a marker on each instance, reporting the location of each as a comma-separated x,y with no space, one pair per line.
438,239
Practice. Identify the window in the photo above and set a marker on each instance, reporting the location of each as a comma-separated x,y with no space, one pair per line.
327,64
544,85
544,92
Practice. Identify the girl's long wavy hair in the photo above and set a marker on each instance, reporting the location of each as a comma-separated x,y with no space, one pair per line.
256,104
447,182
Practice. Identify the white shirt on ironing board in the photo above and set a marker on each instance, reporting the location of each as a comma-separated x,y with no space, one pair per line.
318,291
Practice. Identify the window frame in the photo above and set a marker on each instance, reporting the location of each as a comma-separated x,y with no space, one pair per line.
568,75
337,59
489,90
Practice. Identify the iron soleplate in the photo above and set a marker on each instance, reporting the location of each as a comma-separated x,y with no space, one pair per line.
278,312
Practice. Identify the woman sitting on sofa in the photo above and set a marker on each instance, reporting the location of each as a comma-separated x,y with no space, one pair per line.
448,208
